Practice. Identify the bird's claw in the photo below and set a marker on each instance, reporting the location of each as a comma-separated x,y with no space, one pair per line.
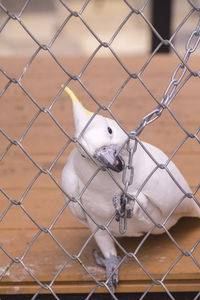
111,264
122,205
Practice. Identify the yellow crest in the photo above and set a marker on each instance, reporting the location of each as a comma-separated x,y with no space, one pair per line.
75,100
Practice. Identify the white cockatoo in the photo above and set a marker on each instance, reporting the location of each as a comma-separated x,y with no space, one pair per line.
95,195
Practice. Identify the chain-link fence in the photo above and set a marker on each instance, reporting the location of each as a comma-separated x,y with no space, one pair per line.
183,73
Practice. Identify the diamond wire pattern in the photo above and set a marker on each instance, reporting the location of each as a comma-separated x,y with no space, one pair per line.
181,75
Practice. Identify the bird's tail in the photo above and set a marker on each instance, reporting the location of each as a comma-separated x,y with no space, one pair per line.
198,215
196,210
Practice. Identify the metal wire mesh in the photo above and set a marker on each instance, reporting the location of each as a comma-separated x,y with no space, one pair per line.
181,75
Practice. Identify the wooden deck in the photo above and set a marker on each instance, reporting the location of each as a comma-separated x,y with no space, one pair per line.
44,200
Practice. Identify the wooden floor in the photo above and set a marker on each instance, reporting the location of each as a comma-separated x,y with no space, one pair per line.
44,200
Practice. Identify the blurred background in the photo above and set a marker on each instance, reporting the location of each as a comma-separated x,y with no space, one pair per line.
44,17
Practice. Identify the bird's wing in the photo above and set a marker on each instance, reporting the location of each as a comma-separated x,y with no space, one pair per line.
70,185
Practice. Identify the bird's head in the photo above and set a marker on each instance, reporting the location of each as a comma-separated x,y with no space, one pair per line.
101,137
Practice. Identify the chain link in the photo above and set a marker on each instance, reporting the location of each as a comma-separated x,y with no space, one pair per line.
194,39
127,180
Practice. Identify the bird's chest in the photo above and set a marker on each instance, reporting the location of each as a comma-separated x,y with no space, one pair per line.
97,197
96,190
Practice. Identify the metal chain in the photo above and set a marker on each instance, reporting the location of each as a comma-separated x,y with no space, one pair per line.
127,180
191,46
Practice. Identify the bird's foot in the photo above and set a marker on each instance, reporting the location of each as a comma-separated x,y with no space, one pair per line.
123,206
111,264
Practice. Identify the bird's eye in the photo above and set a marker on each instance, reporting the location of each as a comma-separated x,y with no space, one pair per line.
109,130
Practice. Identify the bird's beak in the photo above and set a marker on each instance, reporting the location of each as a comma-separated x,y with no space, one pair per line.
109,157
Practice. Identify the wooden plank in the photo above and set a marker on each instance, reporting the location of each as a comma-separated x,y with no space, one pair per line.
39,138
12,171
45,84
44,141
156,255
36,204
